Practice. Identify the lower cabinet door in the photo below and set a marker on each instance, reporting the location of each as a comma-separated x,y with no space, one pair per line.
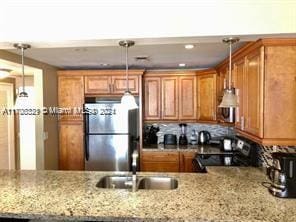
186,161
160,166
71,152
160,161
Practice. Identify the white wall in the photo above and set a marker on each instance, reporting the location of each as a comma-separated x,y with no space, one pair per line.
113,19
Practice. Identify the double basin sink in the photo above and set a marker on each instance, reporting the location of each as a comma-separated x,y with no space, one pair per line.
147,183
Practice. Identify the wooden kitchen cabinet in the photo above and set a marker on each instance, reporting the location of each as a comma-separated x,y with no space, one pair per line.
186,161
119,84
170,99
110,85
265,78
71,148
98,84
206,96
187,98
170,96
152,98
71,95
160,161
253,91
239,82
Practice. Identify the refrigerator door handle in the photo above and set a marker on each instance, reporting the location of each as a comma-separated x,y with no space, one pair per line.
86,147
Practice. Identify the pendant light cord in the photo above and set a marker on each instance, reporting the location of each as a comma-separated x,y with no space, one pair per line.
126,67
23,68
230,71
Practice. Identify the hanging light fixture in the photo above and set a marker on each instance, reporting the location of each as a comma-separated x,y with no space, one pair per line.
22,101
4,73
127,100
229,98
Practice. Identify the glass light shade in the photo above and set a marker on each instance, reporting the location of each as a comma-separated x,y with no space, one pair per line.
128,101
229,99
23,101
4,73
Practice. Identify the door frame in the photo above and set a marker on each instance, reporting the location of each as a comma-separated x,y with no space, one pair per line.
9,87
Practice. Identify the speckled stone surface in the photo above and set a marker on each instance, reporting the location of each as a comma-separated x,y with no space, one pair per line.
224,194
205,149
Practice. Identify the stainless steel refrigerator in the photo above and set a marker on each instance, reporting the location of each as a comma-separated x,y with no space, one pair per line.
111,134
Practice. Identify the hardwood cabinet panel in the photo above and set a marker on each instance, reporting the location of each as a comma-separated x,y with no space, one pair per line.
280,93
187,98
71,150
206,97
107,85
160,161
152,98
253,87
71,95
170,100
160,166
160,156
119,84
239,76
186,161
97,84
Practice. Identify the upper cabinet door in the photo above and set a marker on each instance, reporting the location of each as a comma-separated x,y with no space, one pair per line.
71,95
152,98
170,101
253,94
98,84
187,98
239,75
206,97
119,84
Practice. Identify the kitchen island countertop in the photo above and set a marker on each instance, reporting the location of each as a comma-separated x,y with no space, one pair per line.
223,194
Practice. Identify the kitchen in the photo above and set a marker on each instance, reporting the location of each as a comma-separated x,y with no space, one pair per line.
194,140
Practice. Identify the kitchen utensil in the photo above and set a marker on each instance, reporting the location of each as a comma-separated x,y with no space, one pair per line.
204,137
193,137
170,139
282,175
183,138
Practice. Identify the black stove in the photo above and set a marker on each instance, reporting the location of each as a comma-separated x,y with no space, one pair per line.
244,153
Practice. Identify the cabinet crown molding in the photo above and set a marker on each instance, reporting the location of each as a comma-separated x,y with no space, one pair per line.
99,72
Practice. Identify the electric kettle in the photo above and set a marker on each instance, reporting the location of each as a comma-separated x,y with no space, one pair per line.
204,137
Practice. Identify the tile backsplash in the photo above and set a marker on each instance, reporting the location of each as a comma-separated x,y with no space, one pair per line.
174,128
218,130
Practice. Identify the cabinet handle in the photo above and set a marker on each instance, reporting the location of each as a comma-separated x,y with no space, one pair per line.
113,87
110,89
242,123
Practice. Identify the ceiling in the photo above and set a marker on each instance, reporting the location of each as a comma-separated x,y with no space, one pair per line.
160,56
161,53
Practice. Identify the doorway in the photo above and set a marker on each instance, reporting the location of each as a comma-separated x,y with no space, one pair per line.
7,132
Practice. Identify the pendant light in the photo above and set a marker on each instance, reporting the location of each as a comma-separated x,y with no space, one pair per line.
127,100
229,99
4,73
22,101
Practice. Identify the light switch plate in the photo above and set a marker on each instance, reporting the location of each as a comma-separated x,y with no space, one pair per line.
45,135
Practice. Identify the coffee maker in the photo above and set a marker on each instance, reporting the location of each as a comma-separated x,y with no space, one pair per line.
282,174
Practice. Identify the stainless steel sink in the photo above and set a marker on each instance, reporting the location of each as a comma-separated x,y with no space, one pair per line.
158,183
114,182
148,183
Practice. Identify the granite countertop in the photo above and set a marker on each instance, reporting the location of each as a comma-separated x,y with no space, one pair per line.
201,149
223,194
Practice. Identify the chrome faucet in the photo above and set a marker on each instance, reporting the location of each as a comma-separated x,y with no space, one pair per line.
133,182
